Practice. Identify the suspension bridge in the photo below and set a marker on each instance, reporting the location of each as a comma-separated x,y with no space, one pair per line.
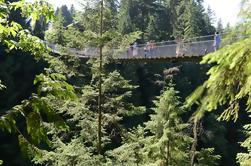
183,50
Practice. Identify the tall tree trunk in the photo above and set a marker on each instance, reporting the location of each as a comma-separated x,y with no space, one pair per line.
168,153
195,141
100,80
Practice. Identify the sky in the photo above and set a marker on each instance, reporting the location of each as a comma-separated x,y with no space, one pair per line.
226,10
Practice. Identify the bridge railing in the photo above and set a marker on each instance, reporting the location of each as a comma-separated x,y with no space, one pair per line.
173,50
187,47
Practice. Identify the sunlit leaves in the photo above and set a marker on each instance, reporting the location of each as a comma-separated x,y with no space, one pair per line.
31,44
34,10
12,30
8,29
28,150
1,86
55,85
39,109
7,122
245,158
35,128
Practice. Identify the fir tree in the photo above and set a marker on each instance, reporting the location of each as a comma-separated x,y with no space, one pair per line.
219,27
67,15
72,11
125,22
55,34
169,144
151,31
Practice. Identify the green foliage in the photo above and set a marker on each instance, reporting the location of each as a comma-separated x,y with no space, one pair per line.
245,158
221,87
169,144
52,86
81,115
2,86
66,14
74,153
125,23
205,157
191,19
115,93
56,35
164,140
130,153
10,29
34,10
229,81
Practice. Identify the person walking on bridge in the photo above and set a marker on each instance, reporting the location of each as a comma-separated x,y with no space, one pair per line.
179,47
152,47
147,49
217,41
135,49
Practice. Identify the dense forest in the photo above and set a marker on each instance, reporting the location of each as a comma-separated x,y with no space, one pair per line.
57,109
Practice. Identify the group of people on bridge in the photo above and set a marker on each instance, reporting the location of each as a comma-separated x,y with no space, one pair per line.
150,48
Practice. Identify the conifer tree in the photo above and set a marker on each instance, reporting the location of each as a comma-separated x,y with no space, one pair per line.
169,144
125,23
55,35
219,27
67,15
72,11
151,31
191,13
109,104
165,139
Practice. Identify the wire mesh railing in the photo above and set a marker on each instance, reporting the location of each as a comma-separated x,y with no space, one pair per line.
196,46
172,50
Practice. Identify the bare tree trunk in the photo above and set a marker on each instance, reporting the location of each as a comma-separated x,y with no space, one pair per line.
195,141
168,157
100,81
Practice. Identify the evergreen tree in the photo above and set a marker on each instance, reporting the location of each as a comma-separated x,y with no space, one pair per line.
165,139
125,22
151,31
67,15
192,28
227,28
219,27
169,144
72,11
209,17
55,34
191,19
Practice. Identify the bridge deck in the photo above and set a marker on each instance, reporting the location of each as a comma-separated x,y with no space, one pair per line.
191,49
156,59
161,59
168,52
172,51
